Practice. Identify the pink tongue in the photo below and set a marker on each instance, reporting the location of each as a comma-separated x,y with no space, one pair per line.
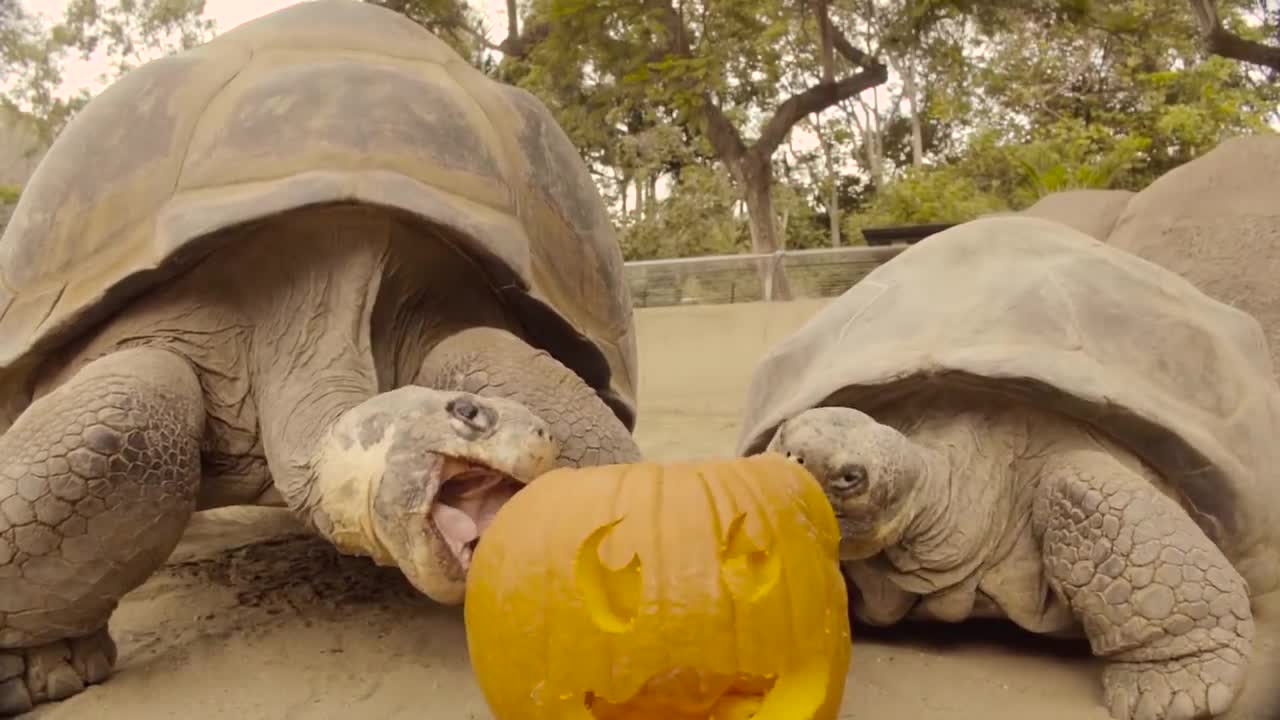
456,526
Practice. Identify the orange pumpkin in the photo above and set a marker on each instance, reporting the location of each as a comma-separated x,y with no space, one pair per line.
702,590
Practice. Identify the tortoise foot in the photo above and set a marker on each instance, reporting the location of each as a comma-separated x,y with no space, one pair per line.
55,671
1189,688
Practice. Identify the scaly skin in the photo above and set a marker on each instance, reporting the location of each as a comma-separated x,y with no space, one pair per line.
98,482
281,352
495,363
949,520
1157,598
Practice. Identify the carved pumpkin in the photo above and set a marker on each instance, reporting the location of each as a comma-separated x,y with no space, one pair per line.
703,590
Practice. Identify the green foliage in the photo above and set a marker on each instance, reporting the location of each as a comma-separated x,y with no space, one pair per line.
126,33
453,21
131,32
1066,155
9,194
1015,98
697,218
925,195
30,72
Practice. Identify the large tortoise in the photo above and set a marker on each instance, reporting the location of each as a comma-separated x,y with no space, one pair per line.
1216,222
1092,212
1015,420
319,261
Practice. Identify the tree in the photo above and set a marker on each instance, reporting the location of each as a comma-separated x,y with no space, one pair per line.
1116,93
31,73
713,66
1231,44
131,32
126,32
453,21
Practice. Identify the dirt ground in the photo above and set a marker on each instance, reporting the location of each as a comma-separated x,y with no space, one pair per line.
251,620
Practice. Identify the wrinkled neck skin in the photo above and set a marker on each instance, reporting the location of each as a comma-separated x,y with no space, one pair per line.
352,316
960,515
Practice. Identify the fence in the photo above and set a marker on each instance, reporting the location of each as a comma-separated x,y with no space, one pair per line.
719,279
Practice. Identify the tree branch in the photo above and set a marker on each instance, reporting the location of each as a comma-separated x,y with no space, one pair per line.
825,94
815,99
477,35
519,45
513,24
1222,42
721,133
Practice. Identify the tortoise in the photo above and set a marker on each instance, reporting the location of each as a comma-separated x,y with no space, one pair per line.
1215,221
321,262
1093,212
1014,420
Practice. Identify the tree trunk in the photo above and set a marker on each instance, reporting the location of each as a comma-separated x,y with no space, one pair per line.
757,180
870,134
833,201
751,165
917,132
833,190
875,157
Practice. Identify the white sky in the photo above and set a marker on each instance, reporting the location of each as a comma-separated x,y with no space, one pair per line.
226,14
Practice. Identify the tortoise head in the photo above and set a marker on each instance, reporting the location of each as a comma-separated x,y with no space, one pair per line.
412,478
869,472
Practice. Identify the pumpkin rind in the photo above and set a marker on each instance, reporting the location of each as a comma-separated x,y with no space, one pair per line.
599,580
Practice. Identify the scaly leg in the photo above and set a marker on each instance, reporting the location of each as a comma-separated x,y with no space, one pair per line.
97,482
1156,597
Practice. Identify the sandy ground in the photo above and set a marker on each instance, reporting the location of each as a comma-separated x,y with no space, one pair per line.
251,620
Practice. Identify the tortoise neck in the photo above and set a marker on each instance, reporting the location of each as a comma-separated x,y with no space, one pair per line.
926,524
954,521
318,277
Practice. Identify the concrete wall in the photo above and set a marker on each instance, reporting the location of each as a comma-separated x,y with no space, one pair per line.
695,366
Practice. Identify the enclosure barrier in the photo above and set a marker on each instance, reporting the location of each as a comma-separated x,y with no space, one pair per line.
721,279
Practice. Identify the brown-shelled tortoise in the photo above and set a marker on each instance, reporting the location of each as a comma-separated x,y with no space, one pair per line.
1015,420
319,261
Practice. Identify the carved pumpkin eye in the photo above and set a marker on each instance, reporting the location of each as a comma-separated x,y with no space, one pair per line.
705,589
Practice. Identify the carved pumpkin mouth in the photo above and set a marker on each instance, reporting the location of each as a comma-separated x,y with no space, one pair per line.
687,694
470,494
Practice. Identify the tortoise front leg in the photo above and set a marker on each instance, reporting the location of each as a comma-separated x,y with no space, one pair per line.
495,363
97,482
1156,597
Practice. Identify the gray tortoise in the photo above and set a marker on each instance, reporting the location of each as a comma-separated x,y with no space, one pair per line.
318,262
1014,420
1216,221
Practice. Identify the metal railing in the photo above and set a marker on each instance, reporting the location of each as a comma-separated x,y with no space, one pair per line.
719,279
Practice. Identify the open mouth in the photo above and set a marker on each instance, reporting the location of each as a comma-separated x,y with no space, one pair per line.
469,496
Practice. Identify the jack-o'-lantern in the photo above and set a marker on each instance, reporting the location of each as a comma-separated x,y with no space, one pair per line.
702,590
